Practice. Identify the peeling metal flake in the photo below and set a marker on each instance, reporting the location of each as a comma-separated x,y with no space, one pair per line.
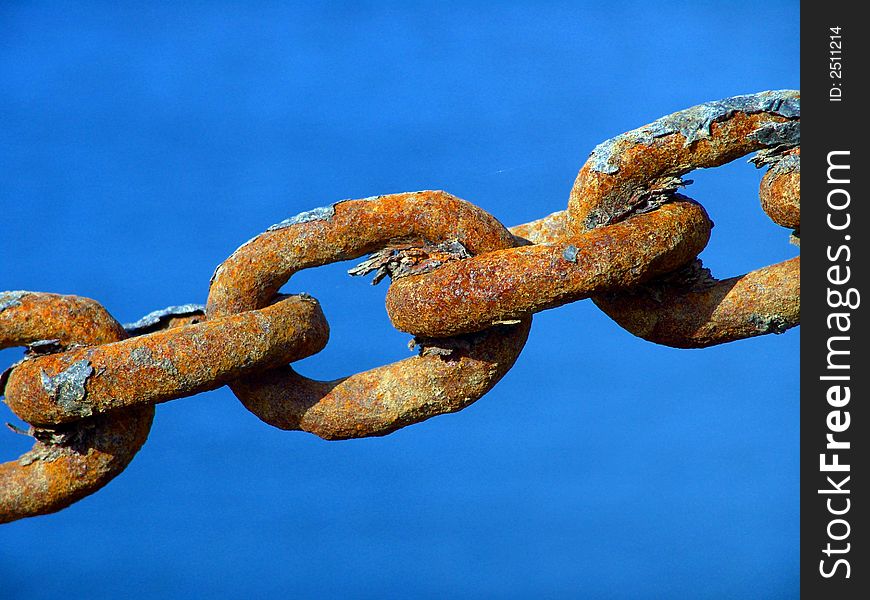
67,388
787,163
10,299
323,213
153,319
694,123
786,134
775,155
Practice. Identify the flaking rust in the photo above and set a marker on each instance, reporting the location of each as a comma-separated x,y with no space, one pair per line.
778,134
461,282
166,364
67,388
409,259
764,301
381,400
322,213
504,285
66,463
187,314
695,123
693,314
703,136
10,299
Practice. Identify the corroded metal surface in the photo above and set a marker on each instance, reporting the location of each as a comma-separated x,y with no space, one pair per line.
780,190
66,463
506,285
28,317
621,171
380,400
461,282
166,364
622,175
448,375
346,230
698,312
548,230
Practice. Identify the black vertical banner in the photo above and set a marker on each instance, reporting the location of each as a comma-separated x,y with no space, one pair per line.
834,335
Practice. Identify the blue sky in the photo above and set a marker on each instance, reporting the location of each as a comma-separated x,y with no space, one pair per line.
140,146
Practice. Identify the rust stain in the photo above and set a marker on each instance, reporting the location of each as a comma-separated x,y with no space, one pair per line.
766,300
780,190
166,364
66,463
597,196
381,400
461,282
504,285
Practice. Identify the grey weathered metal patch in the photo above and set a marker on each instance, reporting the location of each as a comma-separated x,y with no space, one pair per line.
694,123
10,299
67,388
323,213
154,320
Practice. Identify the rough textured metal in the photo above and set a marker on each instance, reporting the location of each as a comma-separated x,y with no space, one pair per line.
165,365
505,285
34,317
621,169
773,135
252,275
547,230
695,123
323,213
644,159
408,259
444,378
11,298
699,314
780,190
384,399
66,463
67,388
461,282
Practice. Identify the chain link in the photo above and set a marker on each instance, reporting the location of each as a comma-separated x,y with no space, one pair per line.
461,282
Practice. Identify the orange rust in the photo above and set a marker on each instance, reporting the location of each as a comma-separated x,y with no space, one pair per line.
67,319
641,166
667,312
546,230
387,398
780,191
66,464
253,274
510,284
766,300
384,399
169,364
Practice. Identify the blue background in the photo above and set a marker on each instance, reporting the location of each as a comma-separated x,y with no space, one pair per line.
140,145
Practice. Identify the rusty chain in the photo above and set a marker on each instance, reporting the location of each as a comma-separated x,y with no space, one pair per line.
464,285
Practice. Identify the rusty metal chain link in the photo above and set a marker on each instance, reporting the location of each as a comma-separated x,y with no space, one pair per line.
464,285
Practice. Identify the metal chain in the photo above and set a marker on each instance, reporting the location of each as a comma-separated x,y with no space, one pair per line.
464,285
